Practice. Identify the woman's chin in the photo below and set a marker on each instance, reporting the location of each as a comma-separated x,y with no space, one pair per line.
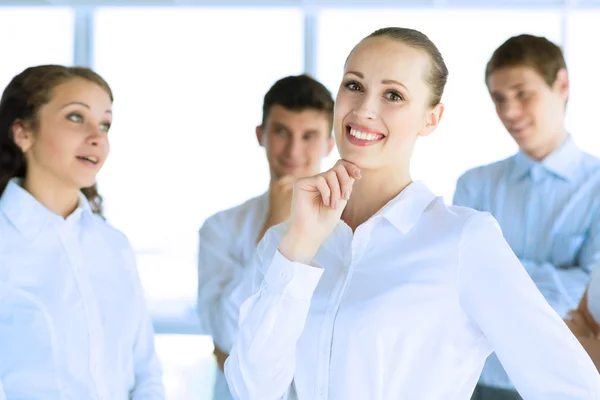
84,182
360,160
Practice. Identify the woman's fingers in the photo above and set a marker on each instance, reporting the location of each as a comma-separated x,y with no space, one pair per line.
352,170
334,187
323,187
345,180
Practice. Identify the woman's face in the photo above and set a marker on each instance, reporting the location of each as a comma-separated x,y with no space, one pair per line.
69,144
382,105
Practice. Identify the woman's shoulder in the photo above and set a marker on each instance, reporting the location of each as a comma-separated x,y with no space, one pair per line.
7,232
461,216
460,222
477,232
113,235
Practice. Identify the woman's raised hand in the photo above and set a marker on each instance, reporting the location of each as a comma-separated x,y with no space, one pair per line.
317,205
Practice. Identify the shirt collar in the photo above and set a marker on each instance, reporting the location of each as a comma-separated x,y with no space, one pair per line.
404,210
562,162
30,216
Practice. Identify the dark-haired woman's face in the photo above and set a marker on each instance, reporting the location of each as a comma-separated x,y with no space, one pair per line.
70,142
382,104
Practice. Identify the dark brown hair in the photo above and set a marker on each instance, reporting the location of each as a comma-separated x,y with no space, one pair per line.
536,52
299,93
437,76
21,100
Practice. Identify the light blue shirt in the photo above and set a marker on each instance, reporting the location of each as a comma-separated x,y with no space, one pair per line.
549,213
73,323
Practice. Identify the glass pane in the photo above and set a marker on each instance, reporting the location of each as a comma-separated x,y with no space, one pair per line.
188,86
33,36
470,133
188,366
582,62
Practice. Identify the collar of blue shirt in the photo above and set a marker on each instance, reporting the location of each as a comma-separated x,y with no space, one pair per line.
562,162
28,215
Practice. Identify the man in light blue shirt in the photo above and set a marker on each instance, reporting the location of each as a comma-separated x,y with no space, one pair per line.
545,197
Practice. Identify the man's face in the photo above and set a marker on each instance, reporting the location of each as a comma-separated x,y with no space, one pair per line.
532,111
295,141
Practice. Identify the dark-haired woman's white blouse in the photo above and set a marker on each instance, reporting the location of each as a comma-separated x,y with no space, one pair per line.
73,324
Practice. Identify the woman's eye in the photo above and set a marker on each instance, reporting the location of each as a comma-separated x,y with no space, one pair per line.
354,86
74,117
394,96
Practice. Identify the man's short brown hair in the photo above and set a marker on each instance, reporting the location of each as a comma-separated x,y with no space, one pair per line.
536,52
299,93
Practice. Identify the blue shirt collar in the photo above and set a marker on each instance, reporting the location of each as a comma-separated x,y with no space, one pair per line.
562,162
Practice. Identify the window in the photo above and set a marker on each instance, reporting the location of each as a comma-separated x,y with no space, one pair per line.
37,36
188,366
582,60
188,84
470,133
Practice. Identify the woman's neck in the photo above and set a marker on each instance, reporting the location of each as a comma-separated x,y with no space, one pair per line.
373,191
52,193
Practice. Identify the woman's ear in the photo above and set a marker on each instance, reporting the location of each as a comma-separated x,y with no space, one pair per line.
22,135
434,116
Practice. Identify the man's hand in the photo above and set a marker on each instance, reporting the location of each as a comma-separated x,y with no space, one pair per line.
579,326
280,203
221,356
280,199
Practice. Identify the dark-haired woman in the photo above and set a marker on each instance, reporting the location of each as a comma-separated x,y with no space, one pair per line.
73,324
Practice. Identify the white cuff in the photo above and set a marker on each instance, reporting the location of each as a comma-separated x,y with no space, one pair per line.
292,279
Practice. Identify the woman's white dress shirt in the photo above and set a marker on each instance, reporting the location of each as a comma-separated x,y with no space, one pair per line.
73,323
407,307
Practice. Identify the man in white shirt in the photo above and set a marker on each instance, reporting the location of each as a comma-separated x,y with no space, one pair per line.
296,134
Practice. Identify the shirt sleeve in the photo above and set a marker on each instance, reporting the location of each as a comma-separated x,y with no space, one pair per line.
589,253
540,354
222,284
561,287
262,362
148,372
2,394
